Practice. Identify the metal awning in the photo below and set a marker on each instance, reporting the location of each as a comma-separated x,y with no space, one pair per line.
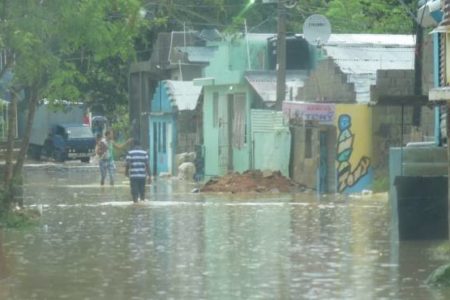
265,84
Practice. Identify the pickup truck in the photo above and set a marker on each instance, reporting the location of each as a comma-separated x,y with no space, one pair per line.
59,133
70,142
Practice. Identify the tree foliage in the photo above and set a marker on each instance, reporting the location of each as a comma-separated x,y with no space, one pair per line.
59,50
346,16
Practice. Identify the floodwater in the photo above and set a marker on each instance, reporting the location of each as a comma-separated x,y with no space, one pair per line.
92,243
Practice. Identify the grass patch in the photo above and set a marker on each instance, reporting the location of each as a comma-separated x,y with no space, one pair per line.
380,184
20,218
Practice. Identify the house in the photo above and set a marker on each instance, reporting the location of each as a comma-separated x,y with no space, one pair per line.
174,122
241,130
337,121
176,56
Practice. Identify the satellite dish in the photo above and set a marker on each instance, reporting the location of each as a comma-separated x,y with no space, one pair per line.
316,30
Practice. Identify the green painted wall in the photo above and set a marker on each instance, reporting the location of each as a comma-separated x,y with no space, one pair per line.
227,69
213,131
210,133
232,58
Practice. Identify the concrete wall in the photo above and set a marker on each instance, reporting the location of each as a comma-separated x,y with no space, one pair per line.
423,216
227,70
271,141
393,83
387,131
354,147
217,136
141,89
427,64
349,145
188,133
327,83
304,169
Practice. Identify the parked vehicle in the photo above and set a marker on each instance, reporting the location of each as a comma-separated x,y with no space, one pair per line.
59,133
99,125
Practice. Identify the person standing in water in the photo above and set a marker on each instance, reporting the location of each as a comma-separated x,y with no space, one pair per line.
138,170
106,157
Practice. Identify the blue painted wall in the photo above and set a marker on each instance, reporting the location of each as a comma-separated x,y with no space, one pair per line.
162,140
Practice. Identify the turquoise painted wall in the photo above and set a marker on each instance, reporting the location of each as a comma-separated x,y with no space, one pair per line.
213,134
232,58
227,69
162,141
210,133
160,101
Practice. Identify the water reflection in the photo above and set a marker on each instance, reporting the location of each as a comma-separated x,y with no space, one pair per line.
97,245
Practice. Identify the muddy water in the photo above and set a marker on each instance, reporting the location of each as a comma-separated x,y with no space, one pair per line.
92,243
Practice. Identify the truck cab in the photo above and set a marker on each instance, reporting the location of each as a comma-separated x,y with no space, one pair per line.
70,142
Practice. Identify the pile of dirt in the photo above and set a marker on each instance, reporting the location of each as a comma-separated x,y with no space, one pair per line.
250,181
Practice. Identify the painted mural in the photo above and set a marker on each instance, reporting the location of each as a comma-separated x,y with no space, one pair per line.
354,145
346,175
351,147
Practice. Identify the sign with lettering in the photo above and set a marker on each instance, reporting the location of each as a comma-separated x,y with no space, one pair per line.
324,113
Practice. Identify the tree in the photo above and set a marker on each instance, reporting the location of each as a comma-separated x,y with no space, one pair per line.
52,48
369,16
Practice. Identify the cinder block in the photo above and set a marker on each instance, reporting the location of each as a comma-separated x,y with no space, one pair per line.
425,155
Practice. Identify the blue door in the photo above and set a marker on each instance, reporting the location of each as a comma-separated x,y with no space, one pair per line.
162,145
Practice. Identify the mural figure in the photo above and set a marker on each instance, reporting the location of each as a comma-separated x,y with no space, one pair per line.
346,176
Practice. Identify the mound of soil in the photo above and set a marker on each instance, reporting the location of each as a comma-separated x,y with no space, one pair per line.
250,181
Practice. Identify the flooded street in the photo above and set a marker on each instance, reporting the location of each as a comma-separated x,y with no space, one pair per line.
93,243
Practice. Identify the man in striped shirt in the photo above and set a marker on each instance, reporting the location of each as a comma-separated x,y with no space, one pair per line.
138,170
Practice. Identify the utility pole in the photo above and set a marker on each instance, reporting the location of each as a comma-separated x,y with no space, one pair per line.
281,55
418,70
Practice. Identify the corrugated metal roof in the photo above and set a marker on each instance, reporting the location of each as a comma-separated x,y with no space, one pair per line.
265,83
371,39
353,38
183,94
361,61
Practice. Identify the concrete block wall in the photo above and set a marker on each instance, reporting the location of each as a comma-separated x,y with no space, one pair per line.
427,64
426,161
327,83
393,83
387,131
